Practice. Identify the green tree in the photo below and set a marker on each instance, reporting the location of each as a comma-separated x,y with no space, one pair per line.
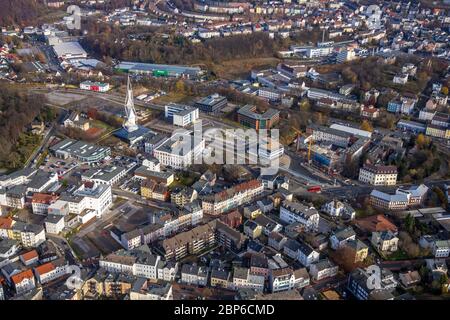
410,223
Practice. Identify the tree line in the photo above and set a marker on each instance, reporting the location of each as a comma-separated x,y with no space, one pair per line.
113,43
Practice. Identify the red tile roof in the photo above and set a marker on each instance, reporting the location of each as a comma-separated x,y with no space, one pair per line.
18,278
6,222
44,198
44,268
30,255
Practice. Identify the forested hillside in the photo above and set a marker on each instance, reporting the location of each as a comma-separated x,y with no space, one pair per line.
17,110
20,12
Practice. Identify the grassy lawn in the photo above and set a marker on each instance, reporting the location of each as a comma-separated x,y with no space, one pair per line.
237,68
173,97
101,125
398,255
183,180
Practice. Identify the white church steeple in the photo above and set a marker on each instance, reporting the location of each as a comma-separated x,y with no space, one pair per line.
130,113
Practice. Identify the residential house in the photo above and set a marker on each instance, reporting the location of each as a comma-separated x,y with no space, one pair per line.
323,269
297,212
23,281
340,237
193,274
385,241
220,278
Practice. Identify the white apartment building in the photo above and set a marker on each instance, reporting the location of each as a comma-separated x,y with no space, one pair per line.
179,151
181,115
323,269
307,255
318,52
336,208
140,264
50,271
378,175
54,224
90,196
385,241
281,280
243,278
32,235
345,55
109,175
441,248
23,281
194,275
146,266
167,270
118,262
297,212
41,201
152,164
17,177
59,207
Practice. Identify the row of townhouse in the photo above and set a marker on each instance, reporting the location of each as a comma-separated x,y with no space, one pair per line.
297,212
29,235
232,198
15,187
139,263
163,224
28,279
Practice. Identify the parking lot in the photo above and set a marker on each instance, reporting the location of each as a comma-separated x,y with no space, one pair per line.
59,166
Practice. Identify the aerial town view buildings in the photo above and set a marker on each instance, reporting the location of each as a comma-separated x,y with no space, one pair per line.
102,169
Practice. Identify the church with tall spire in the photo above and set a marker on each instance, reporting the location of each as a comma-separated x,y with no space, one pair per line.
131,132
130,113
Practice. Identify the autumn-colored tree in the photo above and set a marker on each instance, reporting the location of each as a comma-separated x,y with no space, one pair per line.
304,105
444,90
366,125
179,86
41,57
422,141
92,113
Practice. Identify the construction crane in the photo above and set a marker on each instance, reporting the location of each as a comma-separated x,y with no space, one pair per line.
299,133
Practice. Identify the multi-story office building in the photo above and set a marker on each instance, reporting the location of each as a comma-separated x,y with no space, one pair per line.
402,199
249,117
89,196
334,136
181,115
211,104
179,151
